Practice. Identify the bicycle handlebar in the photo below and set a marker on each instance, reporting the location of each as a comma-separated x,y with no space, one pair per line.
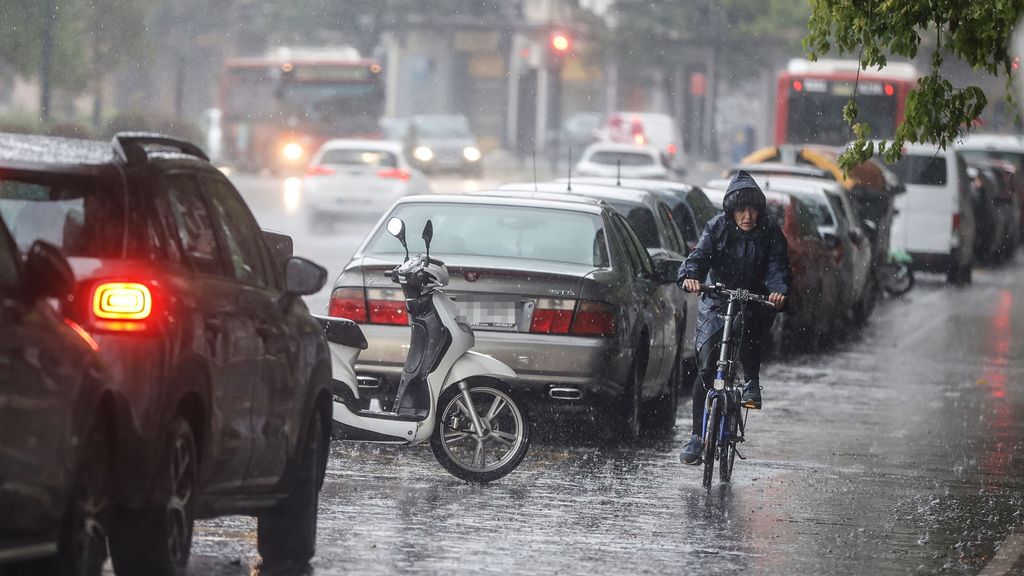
738,294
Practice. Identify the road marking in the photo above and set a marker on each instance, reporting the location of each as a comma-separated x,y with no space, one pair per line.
1011,550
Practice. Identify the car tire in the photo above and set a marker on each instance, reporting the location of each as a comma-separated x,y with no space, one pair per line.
626,412
286,535
157,540
959,275
83,538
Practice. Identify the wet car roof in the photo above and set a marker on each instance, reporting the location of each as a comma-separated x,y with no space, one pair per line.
497,197
34,149
609,193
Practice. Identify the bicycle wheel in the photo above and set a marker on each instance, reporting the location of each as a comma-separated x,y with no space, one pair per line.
710,443
728,455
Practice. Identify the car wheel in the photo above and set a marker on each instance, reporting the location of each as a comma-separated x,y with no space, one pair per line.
83,537
626,413
157,540
286,535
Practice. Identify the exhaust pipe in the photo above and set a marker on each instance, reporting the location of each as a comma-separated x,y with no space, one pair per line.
565,393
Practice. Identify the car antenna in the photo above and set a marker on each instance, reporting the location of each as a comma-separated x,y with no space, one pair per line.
618,172
534,168
568,184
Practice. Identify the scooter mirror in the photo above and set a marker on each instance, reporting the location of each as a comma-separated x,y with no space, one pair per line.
397,229
428,234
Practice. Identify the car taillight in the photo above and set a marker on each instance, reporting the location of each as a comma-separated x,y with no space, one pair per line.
121,306
672,149
594,319
348,303
387,306
837,253
956,222
552,316
319,171
394,174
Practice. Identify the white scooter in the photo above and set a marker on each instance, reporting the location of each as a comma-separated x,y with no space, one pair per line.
458,399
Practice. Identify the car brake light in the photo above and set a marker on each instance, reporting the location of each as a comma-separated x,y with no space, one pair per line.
594,319
319,171
837,253
672,149
394,174
82,334
552,316
387,306
349,303
956,222
121,306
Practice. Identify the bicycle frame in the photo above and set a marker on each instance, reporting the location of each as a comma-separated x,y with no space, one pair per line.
723,387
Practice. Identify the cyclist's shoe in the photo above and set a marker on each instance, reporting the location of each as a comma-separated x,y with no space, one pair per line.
691,452
751,395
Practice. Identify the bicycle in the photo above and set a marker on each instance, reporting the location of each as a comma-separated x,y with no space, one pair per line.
723,424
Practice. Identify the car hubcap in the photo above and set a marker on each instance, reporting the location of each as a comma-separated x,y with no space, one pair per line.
502,436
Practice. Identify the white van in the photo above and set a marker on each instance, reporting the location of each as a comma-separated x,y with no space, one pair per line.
934,220
646,129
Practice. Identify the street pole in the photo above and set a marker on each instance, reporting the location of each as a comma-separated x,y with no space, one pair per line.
44,73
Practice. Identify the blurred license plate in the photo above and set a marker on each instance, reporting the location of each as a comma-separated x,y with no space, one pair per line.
487,313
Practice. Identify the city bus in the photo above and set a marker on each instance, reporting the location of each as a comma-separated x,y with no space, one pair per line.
811,95
277,109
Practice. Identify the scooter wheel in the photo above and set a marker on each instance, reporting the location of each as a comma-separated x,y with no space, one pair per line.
486,457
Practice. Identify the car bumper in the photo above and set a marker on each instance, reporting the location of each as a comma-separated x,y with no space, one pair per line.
930,261
567,372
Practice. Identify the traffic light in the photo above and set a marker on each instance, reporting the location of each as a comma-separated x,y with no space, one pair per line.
559,48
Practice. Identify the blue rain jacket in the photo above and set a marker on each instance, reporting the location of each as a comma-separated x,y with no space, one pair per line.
755,260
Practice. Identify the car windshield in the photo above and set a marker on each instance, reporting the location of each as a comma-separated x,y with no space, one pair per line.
81,215
499,231
454,127
359,157
1014,158
818,207
641,220
615,158
925,170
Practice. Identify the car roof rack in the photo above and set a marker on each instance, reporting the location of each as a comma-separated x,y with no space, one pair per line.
129,147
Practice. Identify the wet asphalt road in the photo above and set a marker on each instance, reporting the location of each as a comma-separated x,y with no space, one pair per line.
900,452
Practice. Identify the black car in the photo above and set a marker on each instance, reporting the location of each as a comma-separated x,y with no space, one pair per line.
55,426
220,376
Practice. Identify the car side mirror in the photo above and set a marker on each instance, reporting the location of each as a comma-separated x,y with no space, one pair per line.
281,246
870,225
667,269
303,277
47,272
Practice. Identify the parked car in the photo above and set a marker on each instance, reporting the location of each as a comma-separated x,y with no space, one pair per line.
647,129
935,220
690,207
1002,148
650,217
55,421
809,315
221,377
996,212
622,161
443,143
358,178
560,289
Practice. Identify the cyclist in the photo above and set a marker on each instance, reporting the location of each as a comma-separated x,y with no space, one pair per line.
740,248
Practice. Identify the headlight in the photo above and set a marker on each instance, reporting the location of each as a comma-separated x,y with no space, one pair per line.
423,154
292,151
471,153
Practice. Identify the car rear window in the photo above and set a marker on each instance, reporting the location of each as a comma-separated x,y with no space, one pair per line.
625,158
925,170
499,231
641,220
82,215
353,157
702,207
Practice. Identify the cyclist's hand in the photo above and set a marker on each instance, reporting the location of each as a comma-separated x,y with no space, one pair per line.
691,285
777,300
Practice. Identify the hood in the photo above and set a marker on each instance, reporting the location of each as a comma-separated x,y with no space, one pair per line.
743,190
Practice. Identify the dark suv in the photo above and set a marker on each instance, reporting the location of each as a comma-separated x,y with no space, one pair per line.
220,376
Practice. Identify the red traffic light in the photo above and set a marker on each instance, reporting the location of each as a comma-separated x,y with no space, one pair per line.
560,42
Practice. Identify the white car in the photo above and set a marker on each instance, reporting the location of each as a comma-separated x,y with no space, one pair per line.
935,218
358,178
622,160
646,129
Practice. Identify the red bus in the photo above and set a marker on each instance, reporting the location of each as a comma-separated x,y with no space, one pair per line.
811,95
278,109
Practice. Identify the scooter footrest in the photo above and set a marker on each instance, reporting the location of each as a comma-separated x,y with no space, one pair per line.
419,416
